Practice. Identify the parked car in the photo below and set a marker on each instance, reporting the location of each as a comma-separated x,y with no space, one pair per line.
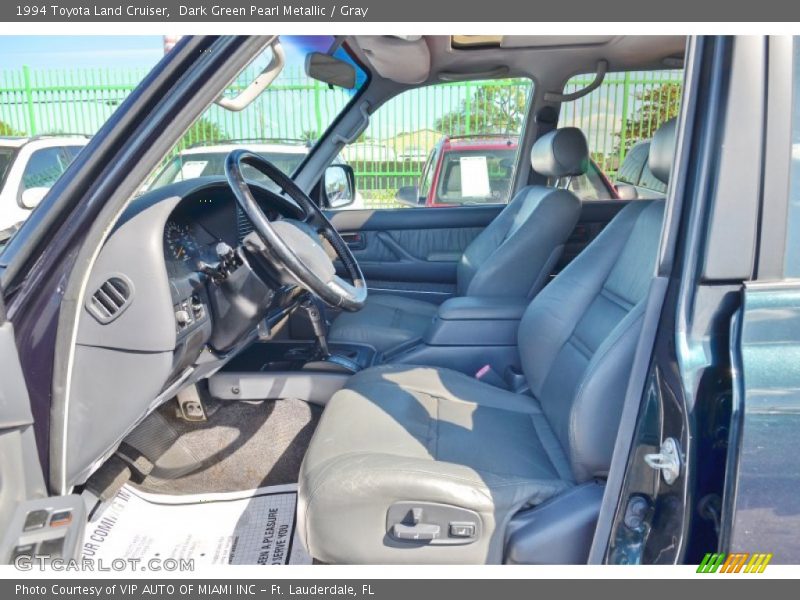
634,178
605,383
207,160
28,168
478,169
369,152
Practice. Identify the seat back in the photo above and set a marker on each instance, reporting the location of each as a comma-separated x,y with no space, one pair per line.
515,254
578,337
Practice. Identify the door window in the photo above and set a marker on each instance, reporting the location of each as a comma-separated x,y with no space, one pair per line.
619,118
442,145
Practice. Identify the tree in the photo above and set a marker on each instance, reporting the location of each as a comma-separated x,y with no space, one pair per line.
654,106
8,130
492,108
203,130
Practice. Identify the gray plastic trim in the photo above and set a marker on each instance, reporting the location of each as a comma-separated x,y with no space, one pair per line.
316,388
777,159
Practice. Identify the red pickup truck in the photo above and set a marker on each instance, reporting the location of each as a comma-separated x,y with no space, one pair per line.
478,170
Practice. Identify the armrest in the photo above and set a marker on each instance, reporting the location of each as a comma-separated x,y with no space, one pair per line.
483,308
476,321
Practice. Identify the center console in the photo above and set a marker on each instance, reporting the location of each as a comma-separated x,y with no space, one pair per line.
467,334
288,369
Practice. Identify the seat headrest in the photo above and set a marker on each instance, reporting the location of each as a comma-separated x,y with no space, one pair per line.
561,153
662,150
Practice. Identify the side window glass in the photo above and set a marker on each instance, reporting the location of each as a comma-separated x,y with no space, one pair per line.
44,167
618,118
427,175
590,186
442,145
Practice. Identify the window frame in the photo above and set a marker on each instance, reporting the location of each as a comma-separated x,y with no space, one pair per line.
777,163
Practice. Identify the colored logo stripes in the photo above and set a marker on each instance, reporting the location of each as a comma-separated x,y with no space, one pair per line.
741,562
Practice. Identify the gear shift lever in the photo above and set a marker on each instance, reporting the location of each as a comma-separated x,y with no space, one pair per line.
320,327
322,358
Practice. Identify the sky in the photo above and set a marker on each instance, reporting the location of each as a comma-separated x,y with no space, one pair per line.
65,52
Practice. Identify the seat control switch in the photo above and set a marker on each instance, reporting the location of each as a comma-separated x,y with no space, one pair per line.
420,532
433,524
462,530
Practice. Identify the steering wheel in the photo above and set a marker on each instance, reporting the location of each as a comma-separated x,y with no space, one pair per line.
293,245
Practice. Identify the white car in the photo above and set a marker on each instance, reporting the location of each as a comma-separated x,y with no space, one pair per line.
200,161
29,166
209,160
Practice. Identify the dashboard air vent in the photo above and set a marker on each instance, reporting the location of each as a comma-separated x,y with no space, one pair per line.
110,299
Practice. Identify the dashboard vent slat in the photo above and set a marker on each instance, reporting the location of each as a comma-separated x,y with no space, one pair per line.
111,299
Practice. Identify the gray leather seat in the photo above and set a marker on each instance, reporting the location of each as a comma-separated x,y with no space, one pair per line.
399,434
513,256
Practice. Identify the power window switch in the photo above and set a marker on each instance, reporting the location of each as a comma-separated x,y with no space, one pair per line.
53,548
61,518
462,530
27,550
35,519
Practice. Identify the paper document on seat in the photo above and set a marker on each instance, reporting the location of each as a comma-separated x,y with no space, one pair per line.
255,527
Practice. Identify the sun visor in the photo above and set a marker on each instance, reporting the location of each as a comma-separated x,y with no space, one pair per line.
405,59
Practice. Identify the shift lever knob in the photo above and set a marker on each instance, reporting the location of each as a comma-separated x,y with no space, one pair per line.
318,324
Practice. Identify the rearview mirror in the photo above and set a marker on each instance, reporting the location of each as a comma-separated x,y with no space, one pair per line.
31,197
408,194
331,70
340,186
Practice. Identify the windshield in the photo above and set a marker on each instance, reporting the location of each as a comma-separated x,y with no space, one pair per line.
6,158
205,164
282,124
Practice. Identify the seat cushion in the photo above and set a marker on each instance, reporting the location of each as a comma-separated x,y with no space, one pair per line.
385,322
403,433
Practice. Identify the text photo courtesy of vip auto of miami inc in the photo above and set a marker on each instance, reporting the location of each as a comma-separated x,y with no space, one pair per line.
342,299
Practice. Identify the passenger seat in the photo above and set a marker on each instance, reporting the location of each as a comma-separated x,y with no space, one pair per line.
512,257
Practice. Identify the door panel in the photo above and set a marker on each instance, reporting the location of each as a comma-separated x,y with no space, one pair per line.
414,252
31,523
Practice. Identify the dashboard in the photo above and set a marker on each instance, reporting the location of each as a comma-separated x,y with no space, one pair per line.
204,228
163,309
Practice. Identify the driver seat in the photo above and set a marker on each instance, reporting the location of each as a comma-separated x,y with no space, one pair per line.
410,450
512,257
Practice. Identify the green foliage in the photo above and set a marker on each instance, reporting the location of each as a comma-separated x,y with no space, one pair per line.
8,131
493,108
654,106
309,136
203,130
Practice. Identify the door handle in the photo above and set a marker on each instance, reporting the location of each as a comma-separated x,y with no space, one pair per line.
355,241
